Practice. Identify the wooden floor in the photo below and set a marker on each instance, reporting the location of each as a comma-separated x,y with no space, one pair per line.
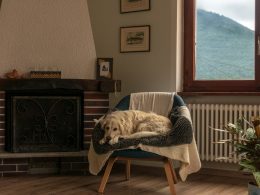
141,182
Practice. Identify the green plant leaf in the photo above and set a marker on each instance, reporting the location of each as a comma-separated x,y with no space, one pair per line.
257,147
247,165
250,133
257,178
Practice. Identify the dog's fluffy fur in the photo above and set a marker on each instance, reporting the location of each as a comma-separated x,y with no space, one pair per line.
132,124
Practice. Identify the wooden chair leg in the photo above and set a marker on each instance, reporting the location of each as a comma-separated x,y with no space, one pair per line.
128,169
175,178
169,175
105,177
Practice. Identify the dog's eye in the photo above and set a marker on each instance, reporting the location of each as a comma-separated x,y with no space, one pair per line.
115,129
107,128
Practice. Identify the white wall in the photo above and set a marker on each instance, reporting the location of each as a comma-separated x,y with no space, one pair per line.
140,71
158,70
47,34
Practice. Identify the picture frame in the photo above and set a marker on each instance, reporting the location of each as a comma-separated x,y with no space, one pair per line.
127,6
104,68
135,39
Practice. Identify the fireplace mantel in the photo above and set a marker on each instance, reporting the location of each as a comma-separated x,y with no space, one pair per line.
80,84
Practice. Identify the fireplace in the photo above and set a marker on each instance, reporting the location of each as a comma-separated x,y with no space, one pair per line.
45,120
96,104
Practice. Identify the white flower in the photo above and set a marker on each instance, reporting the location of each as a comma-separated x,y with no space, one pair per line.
231,125
232,128
250,133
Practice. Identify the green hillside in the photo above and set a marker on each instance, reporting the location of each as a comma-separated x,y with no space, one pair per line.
225,48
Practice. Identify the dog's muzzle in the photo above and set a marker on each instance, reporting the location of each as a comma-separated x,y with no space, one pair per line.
108,138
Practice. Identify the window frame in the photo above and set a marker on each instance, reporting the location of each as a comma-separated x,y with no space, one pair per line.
189,82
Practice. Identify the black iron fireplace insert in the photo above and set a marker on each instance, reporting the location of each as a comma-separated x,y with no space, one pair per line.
44,120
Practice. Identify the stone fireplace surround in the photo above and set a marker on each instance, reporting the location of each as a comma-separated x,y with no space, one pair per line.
96,103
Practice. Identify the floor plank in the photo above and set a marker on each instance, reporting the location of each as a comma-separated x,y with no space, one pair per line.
141,182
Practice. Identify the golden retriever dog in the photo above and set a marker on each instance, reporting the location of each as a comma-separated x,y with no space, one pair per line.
132,124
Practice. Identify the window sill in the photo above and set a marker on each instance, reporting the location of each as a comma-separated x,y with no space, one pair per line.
187,94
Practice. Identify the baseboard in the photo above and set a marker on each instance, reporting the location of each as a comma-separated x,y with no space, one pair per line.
226,173
224,169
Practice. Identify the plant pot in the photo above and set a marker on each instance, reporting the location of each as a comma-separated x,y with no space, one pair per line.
253,189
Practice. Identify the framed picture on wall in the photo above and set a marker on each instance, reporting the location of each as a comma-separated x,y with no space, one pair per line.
104,68
135,39
127,6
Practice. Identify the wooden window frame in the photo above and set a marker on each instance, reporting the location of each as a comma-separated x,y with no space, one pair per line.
192,85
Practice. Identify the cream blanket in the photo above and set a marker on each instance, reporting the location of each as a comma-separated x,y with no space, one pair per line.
187,154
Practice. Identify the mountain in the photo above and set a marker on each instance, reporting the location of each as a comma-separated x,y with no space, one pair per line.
225,48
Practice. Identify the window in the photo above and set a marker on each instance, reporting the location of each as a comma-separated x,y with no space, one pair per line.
221,46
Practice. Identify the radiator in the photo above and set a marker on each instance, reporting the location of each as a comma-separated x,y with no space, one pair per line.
205,116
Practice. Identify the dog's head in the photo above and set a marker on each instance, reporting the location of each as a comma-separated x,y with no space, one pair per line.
112,127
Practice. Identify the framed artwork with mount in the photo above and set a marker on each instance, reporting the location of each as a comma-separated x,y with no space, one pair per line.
104,68
127,6
135,39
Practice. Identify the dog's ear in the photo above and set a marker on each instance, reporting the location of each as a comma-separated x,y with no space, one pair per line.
96,121
100,120
121,128
122,121
103,124
121,125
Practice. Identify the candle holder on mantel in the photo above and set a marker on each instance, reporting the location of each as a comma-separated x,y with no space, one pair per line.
45,74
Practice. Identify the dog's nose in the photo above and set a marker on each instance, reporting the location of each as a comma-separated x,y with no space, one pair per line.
108,138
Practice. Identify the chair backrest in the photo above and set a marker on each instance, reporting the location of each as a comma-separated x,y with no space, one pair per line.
125,102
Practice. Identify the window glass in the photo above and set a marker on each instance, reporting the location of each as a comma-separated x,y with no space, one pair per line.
225,31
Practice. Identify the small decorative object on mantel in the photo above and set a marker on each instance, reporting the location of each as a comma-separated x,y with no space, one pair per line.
45,74
135,39
104,68
127,6
13,74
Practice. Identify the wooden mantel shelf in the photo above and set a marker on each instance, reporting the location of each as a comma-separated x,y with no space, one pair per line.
80,84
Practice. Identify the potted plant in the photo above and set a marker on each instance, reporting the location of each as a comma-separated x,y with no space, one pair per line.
247,146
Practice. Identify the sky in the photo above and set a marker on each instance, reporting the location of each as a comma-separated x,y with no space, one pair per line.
241,11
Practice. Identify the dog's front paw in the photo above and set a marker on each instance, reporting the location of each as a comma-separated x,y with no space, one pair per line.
102,141
113,141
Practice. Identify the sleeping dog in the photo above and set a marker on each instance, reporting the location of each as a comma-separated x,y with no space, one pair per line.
132,124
